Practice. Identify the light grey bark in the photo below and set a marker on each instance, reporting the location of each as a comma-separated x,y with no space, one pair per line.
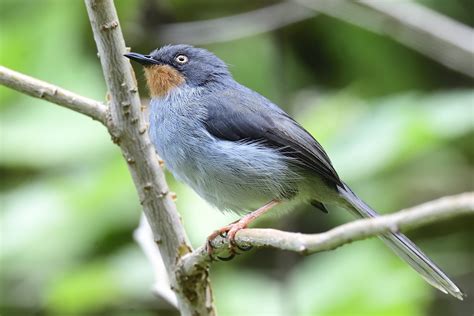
161,287
235,26
433,211
43,90
431,33
437,36
129,130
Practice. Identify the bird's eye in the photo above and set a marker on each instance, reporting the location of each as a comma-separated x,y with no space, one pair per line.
181,59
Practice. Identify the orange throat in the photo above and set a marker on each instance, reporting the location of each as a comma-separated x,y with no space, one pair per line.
161,79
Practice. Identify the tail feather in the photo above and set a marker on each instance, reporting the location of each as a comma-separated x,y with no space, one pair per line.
406,249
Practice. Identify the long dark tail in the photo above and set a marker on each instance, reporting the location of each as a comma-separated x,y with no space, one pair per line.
406,249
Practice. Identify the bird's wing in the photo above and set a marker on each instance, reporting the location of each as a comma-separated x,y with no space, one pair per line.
237,115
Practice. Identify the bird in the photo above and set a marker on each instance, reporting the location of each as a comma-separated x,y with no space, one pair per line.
243,154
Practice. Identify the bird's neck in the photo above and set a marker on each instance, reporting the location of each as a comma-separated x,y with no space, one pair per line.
162,79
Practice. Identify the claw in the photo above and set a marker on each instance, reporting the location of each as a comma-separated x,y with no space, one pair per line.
244,248
209,248
231,230
230,257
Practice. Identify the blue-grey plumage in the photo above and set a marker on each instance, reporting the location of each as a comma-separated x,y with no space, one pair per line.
239,151
237,176
234,176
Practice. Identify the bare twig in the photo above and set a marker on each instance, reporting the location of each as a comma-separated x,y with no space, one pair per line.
429,22
236,26
144,238
422,29
43,90
437,210
128,128
437,36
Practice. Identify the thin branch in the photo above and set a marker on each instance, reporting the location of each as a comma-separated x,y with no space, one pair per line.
43,90
430,22
430,33
144,238
236,26
424,214
437,36
128,127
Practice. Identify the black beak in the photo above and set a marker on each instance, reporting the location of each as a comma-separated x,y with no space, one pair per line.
145,60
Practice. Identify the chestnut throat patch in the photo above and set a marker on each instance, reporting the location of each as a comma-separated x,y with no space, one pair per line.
161,79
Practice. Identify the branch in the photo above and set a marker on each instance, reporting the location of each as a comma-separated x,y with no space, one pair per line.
236,26
430,22
128,128
43,90
424,214
430,33
144,238
422,29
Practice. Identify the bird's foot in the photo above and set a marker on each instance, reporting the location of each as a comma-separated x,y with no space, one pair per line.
232,229
229,232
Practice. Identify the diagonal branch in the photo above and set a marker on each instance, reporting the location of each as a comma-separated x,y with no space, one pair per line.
128,128
126,123
427,22
433,34
43,90
235,26
424,214
430,33
144,238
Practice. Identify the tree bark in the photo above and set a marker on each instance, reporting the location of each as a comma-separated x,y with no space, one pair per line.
128,128
423,214
43,90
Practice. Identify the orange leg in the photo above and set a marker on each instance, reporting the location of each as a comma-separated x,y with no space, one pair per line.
232,229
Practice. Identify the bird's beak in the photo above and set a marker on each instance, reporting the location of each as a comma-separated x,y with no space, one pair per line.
145,60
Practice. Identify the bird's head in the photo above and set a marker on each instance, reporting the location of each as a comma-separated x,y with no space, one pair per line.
173,65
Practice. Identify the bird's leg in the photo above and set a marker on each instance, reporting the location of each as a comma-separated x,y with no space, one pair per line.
232,229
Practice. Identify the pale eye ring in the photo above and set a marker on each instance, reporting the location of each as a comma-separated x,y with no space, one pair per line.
181,59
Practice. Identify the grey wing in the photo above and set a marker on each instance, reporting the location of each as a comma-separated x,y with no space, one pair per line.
237,115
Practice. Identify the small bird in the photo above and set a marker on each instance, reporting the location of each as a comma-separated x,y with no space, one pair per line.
244,154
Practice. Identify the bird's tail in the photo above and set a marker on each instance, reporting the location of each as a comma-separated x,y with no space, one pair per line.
406,249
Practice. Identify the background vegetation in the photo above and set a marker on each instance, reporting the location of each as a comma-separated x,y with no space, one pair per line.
398,126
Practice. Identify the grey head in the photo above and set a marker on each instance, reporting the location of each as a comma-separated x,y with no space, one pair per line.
197,66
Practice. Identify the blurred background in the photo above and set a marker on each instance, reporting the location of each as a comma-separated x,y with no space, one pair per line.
394,108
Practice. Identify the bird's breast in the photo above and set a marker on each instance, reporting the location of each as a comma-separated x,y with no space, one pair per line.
231,175
177,133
